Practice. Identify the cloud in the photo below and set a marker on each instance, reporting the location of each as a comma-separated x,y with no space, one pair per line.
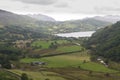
39,2
107,10
62,5
91,7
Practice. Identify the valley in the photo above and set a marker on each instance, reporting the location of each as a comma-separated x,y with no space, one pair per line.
31,48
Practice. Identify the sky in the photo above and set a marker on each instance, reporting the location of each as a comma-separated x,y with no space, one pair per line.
63,9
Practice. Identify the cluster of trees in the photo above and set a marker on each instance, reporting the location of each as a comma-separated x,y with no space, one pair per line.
8,54
106,42
53,45
14,33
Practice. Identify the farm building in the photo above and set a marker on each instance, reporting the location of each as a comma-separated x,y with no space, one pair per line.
38,63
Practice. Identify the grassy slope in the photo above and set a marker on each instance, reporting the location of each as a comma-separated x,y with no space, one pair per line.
96,67
71,60
64,46
39,75
45,44
68,48
6,76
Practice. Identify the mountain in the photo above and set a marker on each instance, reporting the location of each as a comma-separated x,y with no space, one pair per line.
106,42
47,24
108,18
41,17
19,33
9,18
16,27
75,25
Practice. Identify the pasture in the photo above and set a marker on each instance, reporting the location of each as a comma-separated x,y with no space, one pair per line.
44,44
80,59
42,75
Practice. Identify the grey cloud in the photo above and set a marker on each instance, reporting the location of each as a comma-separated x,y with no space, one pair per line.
39,2
62,5
107,10
112,9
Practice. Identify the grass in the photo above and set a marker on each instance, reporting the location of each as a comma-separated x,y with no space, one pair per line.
64,47
96,67
6,76
71,60
44,44
71,48
39,75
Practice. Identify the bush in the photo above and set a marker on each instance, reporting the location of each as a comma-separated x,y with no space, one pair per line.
24,76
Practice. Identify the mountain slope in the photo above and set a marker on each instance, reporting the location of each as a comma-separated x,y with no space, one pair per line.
42,17
106,42
75,25
9,18
108,18
19,33
48,25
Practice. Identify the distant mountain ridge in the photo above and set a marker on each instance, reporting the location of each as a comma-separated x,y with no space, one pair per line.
76,26
108,18
9,18
17,27
41,17
47,24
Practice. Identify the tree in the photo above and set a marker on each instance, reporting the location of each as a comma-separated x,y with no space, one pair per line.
53,45
28,44
24,76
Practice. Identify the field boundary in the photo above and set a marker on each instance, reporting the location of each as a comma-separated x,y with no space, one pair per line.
50,55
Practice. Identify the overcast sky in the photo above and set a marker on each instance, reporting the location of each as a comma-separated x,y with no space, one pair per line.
63,9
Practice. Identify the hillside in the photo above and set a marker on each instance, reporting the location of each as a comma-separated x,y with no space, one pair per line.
18,33
108,18
9,18
41,17
106,42
74,25
47,24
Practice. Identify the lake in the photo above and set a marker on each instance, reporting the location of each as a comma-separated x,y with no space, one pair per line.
76,34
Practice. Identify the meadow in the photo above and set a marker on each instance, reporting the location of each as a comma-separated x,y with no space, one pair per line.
72,62
7,76
44,44
76,60
42,75
42,47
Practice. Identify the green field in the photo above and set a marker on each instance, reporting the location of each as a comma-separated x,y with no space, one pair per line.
71,60
44,44
66,74
71,48
43,75
96,67
7,76
63,46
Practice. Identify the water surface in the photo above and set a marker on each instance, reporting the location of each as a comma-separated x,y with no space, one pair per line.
76,34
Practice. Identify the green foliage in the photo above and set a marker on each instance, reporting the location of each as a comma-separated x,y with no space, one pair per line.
96,67
39,75
81,60
6,76
7,54
106,42
45,44
14,33
24,76
53,45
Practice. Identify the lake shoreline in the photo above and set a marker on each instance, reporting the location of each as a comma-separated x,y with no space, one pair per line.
76,34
